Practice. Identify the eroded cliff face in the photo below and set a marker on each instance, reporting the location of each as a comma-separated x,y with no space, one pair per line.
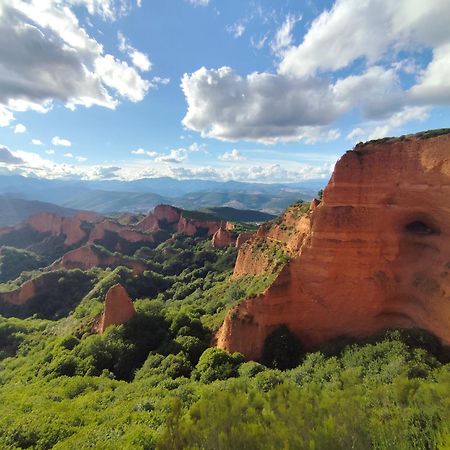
118,307
70,227
260,252
377,254
223,238
88,256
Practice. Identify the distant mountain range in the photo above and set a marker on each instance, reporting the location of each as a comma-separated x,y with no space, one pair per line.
16,210
142,195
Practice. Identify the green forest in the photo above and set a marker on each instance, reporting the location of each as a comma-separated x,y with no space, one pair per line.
157,382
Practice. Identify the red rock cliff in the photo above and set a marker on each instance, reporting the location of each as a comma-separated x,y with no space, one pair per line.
377,254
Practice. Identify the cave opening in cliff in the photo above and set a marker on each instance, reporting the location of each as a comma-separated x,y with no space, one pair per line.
421,228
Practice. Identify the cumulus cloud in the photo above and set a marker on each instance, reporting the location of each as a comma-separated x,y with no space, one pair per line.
175,156
262,107
6,157
380,129
36,142
139,59
309,91
68,155
20,128
50,57
138,151
105,172
61,141
234,155
50,152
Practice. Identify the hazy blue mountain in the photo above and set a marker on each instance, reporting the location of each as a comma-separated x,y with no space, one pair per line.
142,195
15,210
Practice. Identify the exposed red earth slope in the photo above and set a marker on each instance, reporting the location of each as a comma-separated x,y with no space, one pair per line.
374,254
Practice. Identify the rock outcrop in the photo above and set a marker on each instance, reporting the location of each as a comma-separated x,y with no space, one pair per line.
70,227
262,251
74,229
376,254
26,291
88,256
172,219
118,307
222,238
243,238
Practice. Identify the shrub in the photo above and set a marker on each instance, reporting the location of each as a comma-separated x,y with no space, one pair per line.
282,349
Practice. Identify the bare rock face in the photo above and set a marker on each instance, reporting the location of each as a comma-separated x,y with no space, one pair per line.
192,227
167,213
87,257
26,291
242,239
70,227
118,307
376,256
222,238
162,216
260,253
102,229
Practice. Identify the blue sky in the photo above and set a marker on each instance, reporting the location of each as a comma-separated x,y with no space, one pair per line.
253,90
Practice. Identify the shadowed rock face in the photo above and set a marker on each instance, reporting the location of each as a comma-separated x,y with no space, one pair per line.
118,307
377,254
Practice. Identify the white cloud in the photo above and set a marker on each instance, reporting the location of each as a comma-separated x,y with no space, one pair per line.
138,151
81,158
68,155
20,128
50,57
6,117
139,59
175,156
309,91
355,134
36,142
283,38
50,152
155,81
353,29
61,141
384,128
199,2
234,155
236,30
261,107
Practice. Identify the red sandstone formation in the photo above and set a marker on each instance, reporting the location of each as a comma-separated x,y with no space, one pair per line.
377,254
256,256
242,239
314,204
99,233
170,218
25,292
167,213
118,307
88,256
222,238
69,227
161,217
192,226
